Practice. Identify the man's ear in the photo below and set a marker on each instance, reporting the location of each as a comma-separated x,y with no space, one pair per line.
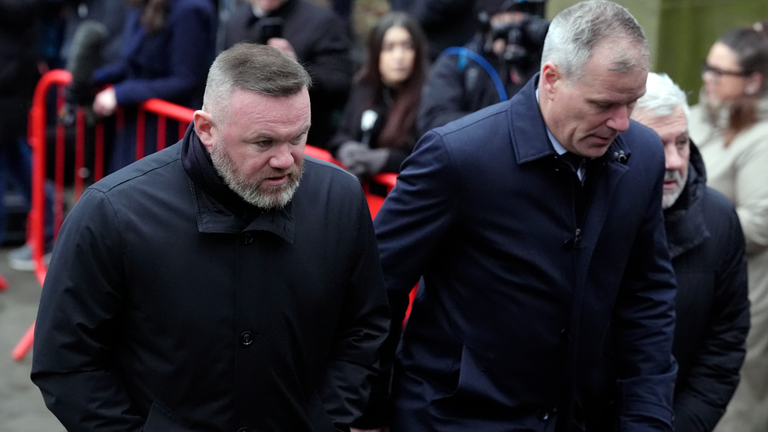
550,76
204,128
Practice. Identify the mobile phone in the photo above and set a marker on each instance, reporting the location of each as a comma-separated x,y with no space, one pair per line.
271,27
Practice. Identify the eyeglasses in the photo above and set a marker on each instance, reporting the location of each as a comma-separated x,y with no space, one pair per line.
717,73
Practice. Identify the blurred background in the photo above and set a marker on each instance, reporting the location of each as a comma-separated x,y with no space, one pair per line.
680,32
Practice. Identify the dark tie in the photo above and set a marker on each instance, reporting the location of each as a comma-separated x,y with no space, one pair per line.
576,162
580,199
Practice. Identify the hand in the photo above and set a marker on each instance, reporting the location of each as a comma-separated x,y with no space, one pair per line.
361,160
283,45
105,102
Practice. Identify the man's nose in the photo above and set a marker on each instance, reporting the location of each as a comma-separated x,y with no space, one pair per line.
672,159
619,119
282,158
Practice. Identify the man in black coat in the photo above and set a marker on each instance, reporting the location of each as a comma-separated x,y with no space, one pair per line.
20,56
226,283
707,249
312,34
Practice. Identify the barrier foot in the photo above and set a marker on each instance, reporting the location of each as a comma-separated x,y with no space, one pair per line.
24,345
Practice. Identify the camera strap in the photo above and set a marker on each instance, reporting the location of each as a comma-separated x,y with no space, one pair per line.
480,60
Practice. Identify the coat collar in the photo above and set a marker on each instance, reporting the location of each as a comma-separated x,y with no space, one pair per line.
684,221
217,208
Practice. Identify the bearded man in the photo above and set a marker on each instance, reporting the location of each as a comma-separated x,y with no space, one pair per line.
226,283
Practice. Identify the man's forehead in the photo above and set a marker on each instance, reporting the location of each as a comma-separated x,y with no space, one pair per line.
613,90
669,126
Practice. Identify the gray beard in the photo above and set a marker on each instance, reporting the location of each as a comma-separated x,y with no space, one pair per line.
253,192
668,200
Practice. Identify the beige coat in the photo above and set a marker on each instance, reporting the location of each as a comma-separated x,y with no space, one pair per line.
740,171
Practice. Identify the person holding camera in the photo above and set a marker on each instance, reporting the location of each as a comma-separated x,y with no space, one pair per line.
490,68
312,34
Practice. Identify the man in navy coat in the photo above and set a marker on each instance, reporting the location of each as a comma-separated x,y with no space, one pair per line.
530,265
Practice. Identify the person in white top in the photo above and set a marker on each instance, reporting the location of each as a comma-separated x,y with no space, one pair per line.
730,126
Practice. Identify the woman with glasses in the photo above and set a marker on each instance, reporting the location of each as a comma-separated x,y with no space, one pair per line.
730,126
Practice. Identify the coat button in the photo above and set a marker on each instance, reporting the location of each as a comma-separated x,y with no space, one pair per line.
247,238
246,338
243,429
543,415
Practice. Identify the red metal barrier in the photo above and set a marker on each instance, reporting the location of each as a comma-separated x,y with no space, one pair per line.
38,124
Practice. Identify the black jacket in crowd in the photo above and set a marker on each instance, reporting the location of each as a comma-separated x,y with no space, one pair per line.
19,54
350,127
707,249
445,22
322,44
458,85
172,305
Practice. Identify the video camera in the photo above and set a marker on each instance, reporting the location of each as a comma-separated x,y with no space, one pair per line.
523,39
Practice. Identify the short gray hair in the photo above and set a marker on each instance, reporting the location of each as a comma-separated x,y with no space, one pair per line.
662,97
576,31
252,67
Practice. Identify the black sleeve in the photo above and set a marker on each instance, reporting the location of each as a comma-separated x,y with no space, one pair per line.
701,400
354,357
442,96
349,126
78,326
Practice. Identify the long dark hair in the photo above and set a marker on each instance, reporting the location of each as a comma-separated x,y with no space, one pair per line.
153,13
402,114
751,47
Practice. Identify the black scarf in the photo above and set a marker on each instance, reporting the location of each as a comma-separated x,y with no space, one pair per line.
199,167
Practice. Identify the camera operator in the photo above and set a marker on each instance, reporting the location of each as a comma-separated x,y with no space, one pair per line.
491,67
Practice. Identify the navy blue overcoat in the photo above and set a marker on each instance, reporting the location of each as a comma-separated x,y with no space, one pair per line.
518,299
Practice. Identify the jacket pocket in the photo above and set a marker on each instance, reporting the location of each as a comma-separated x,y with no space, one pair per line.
482,398
160,419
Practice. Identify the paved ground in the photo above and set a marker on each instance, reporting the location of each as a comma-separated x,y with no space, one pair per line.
21,405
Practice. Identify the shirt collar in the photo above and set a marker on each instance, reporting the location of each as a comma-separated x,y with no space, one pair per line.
555,143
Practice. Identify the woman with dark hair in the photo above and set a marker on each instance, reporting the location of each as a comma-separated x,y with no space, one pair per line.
730,126
378,130
167,48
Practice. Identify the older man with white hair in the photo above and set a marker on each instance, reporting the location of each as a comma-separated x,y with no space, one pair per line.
707,249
